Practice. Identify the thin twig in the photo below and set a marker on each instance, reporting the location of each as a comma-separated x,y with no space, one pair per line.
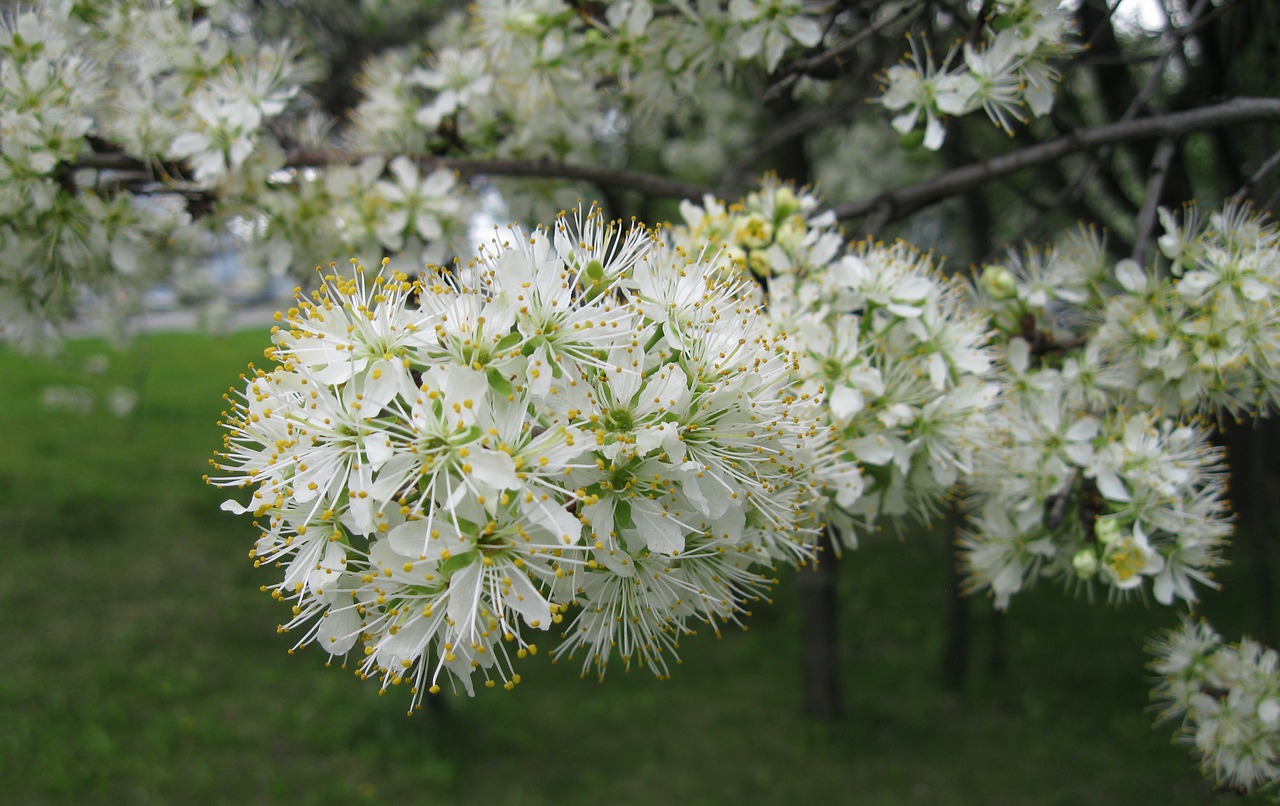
1197,20
905,200
1265,168
1178,35
804,67
1151,200
798,125
1270,203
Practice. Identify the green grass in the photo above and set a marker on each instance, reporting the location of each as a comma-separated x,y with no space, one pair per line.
139,662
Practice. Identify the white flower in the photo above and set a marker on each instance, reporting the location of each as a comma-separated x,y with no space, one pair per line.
926,90
1130,557
771,27
1225,699
993,80
415,205
541,429
459,77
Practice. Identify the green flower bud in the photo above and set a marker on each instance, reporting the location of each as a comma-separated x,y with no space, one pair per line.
1107,530
759,264
785,204
1085,562
999,283
911,140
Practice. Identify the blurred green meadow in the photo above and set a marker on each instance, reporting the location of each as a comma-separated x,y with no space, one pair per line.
139,661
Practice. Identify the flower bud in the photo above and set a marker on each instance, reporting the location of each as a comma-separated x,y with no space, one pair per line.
790,233
785,203
999,283
1086,563
1107,530
759,264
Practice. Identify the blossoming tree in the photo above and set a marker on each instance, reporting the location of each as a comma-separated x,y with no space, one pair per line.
610,433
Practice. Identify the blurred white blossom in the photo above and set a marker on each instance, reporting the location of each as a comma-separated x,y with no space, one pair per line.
1225,699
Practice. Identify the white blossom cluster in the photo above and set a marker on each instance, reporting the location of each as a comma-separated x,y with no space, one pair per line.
1112,498
775,230
1103,476
1042,294
145,78
47,91
374,206
1087,482
885,343
1226,698
134,131
53,240
902,366
1203,336
1010,73
1099,476
182,84
546,79
582,427
114,115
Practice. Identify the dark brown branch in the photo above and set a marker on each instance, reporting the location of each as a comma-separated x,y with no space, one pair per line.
900,202
1053,177
646,184
1199,18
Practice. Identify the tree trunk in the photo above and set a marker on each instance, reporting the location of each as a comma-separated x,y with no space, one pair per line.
995,644
817,581
955,653
1252,490
1268,469
817,584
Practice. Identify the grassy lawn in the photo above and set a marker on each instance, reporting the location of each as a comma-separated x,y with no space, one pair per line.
139,662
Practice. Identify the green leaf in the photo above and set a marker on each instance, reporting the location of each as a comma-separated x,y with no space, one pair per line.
466,527
654,339
498,383
508,341
458,562
621,516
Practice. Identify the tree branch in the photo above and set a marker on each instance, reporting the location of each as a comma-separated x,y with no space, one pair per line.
903,201
803,67
646,184
1269,165
1177,35
795,127
1151,199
